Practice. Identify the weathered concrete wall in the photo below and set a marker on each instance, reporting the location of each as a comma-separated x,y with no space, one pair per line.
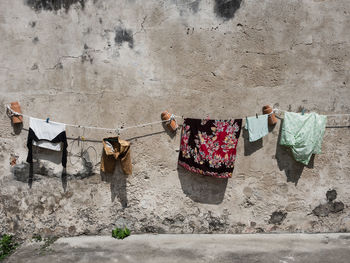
111,63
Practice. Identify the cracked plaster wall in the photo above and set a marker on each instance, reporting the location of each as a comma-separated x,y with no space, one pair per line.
112,63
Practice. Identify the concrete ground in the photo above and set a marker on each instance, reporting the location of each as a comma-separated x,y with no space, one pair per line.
280,248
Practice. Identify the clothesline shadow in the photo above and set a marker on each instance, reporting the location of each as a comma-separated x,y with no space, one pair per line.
287,163
117,182
202,189
143,136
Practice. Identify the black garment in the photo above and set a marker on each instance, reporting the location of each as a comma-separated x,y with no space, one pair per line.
61,137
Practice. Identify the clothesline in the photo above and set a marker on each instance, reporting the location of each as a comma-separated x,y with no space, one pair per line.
120,129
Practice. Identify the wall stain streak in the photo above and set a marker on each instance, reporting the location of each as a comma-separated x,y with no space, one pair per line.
53,5
194,6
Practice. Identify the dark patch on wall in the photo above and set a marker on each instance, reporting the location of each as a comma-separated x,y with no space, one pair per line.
277,217
259,230
190,31
216,223
177,220
331,195
330,207
326,209
124,35
53,5
71,230
152,229
226,8
59,65
86,55
34,67
87,31
35,40
32,23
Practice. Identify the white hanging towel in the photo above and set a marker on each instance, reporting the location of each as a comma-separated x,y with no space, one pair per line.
46,132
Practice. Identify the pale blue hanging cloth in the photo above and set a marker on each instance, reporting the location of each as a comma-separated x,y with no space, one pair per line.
257,127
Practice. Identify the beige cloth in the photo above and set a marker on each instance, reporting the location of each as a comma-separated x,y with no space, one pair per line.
115,148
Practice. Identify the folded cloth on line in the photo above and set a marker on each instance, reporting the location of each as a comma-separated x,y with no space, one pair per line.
115,148
208,147
49,135
257,127
303,134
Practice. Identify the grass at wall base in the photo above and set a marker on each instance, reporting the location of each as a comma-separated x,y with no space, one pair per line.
7,246
120,233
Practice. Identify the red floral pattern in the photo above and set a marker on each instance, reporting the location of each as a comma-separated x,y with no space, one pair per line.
208,147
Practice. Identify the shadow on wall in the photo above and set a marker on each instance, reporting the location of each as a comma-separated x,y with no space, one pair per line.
117,182
287,163
25,172
17,127
250,147
202,189
226,8
39,169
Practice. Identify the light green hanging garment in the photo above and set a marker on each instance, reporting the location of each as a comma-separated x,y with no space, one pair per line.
257,127
303,134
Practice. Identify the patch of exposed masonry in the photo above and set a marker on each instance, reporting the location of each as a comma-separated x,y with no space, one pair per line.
330,207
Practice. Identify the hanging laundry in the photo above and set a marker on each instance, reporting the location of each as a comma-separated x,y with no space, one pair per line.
257,127
303,134
115,148
208,147
49,135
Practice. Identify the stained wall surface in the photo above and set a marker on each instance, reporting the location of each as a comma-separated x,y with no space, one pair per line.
114,63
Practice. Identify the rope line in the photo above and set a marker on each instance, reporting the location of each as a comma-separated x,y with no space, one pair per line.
11,113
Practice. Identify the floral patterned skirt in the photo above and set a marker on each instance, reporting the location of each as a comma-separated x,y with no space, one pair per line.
208,147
